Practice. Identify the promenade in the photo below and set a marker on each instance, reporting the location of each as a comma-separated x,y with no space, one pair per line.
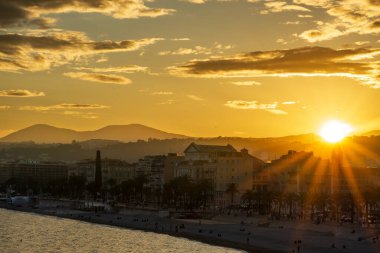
248,234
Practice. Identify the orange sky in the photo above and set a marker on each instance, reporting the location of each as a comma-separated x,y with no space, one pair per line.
194,67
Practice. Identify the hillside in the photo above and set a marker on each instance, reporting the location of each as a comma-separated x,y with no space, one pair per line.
42,133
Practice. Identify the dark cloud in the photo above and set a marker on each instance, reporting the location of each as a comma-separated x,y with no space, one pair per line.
63,107
21,93
307,61
374,2
26,12
40,51
11,14
376,24
123,69
101,78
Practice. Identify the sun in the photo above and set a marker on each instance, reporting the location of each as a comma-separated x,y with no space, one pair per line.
335,131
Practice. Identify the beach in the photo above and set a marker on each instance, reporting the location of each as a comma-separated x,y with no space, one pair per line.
254,234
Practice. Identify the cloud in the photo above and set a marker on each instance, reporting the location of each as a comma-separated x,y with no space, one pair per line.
254,105
41,50
196,98
63,107
100,78
162,93
246,83
128,69
304,16
168,102
187,51
293,22
281,41
180,39
21,93
281,6
34,12
216,48
4,107
362,43
327,32
197,1
348,17
84,115
304,62
102,59
289,103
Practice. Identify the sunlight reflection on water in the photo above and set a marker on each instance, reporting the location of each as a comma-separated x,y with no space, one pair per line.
26,232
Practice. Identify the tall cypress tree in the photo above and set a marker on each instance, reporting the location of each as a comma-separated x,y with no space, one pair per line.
98,172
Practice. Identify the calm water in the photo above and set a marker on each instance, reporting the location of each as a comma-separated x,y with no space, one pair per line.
25,232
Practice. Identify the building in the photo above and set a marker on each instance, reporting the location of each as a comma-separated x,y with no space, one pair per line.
224,165
294,172
197,170
153,168
171,162
34,171
302,172
115,169
6,169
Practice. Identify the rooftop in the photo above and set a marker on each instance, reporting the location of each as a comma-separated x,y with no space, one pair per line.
210,148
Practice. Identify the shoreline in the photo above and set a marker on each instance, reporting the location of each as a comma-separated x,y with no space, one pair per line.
233,231
203,238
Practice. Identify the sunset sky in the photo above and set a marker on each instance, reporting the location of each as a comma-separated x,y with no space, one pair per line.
247,68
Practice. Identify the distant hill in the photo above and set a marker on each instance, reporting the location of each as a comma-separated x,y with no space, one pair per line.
265,149
42,133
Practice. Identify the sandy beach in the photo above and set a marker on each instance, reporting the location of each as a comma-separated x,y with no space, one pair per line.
236,231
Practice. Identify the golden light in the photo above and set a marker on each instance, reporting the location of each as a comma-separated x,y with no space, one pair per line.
335,131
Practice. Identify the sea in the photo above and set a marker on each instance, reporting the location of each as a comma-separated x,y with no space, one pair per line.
29,233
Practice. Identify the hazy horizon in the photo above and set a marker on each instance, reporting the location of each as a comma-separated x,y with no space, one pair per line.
244,68
115,125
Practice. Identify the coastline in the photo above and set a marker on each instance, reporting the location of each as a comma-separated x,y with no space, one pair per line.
110,219
237,231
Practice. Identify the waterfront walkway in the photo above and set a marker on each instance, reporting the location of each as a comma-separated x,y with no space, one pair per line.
250,234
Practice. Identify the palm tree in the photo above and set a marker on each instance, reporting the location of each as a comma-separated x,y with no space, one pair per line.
337,204
203,191
279,198
232,189
290,198
76,185
249,197
300,199
139,183
177,191
127,188
370,199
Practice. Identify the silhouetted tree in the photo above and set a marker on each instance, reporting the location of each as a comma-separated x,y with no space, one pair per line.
76,185
232,190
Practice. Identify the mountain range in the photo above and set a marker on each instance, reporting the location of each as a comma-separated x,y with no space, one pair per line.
132,142
42,133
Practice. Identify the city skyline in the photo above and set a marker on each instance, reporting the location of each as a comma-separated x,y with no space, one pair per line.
243,68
